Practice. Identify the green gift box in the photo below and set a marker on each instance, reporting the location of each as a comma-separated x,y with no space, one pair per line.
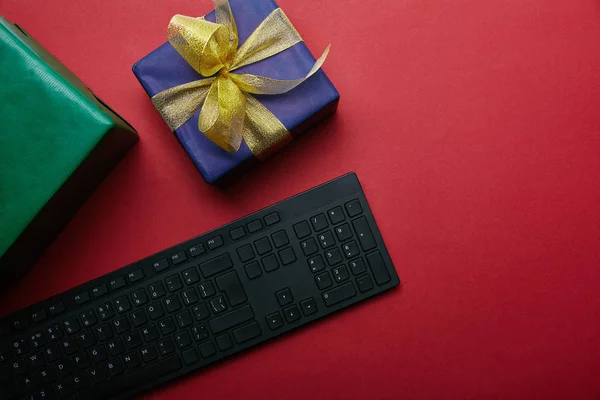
57,143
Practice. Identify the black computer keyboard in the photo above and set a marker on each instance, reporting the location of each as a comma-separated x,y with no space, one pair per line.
200,301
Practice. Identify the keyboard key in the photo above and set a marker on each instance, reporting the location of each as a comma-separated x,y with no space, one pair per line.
122,305
150,333
340,273
190,356
104,332
280,239
166,346
63,389
38,316
339,294
19,367
200,332
291,314
326,239
215,242
364,283
274,321
237,233
253,270
287,256
21,347
247,332
97,374
139,297
201,312
263,246
86,339
82,298
132,361
138,318
189,296
167,326
357,266
71,326
55,309
336,215
149,353
231,319
231,285
319,222
350,249
160,265
135,276
172,304
156,290
133,340
302,229
378,268
365,236
173,283
333,256
323,280
115,367
309,246
155,311
36,360
206,289
216,265
99,290
224,342
121,325
82,361
308,306
207,349
117,283
270,263
254,226
245,253
218,304
190,276
272,219
98,354
353,208
115,347
196,250
54,332
343,232
316,263
284,297
37,340
178,258
88,318
183,339
80,381
184,319
105,311
64,367
52,352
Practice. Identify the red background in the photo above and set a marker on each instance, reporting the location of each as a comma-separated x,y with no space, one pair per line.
473,127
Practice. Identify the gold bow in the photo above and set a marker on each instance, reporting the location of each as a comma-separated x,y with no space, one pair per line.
229,112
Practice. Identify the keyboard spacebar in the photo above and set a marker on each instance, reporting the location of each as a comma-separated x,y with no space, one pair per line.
124,383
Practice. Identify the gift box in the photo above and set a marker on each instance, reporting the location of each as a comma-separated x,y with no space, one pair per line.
57,143
298,110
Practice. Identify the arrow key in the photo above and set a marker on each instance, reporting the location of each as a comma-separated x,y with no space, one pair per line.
274,321
284,297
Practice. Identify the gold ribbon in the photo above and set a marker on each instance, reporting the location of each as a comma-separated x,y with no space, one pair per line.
229,111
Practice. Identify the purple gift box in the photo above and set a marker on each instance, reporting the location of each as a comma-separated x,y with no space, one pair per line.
298,110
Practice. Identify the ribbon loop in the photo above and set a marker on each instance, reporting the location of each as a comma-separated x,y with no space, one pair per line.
228,112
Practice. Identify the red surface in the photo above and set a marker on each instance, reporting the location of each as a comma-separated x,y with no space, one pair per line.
473,126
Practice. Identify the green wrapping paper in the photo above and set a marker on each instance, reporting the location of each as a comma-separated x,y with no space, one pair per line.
57,143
